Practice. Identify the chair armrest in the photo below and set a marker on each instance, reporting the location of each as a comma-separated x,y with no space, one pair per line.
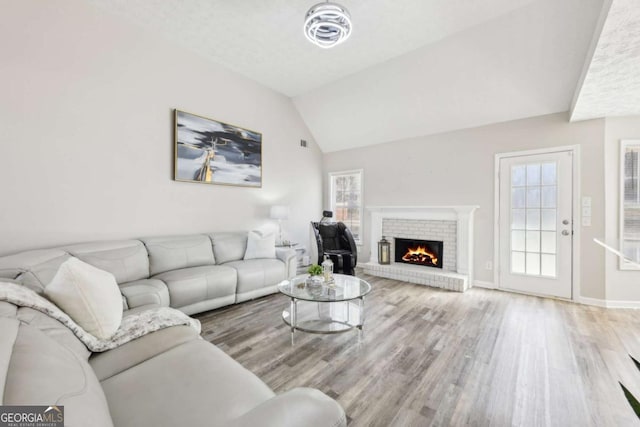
298,407
352,245
288,256
317,249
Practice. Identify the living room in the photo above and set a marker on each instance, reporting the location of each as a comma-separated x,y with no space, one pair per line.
424,103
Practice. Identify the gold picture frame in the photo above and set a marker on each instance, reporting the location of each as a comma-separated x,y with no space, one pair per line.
209,151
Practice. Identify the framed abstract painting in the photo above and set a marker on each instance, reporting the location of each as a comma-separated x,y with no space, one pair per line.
212,152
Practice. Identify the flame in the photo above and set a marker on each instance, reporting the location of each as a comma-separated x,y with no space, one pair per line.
420,255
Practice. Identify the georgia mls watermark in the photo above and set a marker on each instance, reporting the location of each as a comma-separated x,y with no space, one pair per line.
31,416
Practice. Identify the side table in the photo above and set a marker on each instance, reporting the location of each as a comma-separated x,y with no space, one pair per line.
300,253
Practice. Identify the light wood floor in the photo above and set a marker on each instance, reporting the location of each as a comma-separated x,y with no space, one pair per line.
432,357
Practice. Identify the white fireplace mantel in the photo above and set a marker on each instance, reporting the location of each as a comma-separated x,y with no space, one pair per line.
462,214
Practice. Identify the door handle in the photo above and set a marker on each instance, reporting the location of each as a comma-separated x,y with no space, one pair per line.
565,221
565,232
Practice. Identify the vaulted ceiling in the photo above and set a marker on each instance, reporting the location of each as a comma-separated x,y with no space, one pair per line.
411,67
611,78
521,64
263,39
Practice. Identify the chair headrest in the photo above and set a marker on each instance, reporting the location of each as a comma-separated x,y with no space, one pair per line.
328,230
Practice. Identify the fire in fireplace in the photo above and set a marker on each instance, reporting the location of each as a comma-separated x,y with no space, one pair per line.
419,252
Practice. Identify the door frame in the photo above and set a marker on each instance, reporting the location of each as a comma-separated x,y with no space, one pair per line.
576,215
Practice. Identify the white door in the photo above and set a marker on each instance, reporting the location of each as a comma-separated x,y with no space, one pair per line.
535,223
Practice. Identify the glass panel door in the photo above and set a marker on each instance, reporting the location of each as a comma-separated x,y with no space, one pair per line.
533,219
535,224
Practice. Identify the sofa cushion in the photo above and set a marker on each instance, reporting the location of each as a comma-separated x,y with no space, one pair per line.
9,273
219,389
260,245
7,309
36,268
191,285
112,362
90,296
37,371
254,274
176,252
145,292
229,246
127,260
53,329
298,406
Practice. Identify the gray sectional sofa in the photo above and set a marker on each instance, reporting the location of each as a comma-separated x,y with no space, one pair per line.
166,378
192,273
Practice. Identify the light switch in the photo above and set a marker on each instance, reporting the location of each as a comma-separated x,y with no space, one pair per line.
586,201
586,211
586,221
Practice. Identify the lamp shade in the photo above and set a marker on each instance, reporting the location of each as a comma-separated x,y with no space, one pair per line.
279,212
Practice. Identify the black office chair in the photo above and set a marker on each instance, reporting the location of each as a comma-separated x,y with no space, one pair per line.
336,241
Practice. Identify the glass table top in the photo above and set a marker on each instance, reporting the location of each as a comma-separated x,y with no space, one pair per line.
344,288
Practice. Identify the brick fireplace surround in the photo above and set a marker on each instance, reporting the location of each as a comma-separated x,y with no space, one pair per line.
453,225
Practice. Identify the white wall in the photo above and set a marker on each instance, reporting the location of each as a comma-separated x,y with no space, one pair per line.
622,285
86,134
457,168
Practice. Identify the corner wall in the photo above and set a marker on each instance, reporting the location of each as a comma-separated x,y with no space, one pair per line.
457,168
622,285
86,134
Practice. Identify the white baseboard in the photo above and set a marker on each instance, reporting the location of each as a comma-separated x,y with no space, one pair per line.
608,303
483,284
581,300
592,301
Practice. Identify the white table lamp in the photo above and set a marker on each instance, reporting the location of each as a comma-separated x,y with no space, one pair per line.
280,212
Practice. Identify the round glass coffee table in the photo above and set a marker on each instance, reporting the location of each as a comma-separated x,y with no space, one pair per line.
325,309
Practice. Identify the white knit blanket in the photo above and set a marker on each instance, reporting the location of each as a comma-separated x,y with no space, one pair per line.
133,326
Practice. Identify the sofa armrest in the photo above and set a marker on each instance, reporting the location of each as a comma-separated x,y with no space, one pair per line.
288,256
145,292
298,407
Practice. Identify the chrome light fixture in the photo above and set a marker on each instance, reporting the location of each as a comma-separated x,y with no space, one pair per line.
327,24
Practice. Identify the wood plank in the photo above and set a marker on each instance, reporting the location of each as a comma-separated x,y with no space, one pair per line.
430,357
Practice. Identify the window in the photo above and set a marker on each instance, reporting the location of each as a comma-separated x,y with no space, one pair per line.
630,202
345,199
533,219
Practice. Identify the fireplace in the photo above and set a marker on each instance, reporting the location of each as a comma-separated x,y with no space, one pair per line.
453,225
427,253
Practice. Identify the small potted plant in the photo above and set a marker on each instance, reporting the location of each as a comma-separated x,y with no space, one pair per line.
314,282
315,270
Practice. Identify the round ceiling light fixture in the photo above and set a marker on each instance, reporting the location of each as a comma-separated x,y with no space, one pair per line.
327,24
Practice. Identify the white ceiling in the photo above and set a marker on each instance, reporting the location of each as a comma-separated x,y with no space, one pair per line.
611,85
263,39
411,67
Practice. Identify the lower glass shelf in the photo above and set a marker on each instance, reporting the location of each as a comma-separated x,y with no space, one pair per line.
325,317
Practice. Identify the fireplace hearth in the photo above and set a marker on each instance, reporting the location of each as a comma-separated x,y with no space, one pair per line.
453,225
426,253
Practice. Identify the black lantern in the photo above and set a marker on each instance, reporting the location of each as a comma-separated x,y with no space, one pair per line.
384,251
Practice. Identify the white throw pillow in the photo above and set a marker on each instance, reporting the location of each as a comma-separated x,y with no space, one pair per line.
90,296
260,244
